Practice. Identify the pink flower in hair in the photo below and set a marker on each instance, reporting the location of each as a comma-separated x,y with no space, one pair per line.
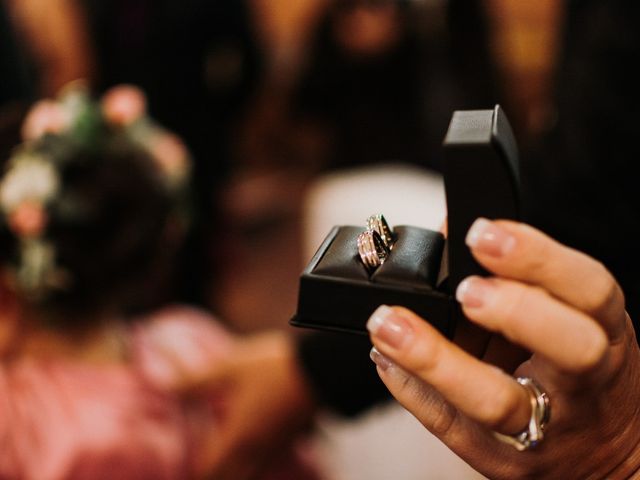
124,104
46,116
28,220
171,156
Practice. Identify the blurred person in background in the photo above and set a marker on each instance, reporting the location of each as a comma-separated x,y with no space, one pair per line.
579,182
382,80
91,214
197,61
373,82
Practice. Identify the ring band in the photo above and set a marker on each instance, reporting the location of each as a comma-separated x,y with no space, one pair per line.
533,434
380,225
373,252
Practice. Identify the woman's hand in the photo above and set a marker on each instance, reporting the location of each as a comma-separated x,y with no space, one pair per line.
568,311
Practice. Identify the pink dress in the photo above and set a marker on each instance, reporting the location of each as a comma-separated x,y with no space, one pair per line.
64,420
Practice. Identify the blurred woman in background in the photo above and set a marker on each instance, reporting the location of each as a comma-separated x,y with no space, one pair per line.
91,214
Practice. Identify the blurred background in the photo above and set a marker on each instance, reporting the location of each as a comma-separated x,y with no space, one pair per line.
272,95
308,113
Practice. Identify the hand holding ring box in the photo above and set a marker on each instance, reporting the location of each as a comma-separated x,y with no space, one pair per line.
338,291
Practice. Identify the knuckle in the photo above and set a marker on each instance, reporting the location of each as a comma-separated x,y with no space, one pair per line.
592,355
407,387
437,415
512,303
535,257
497,411
605,293
523,470
443,417
424,357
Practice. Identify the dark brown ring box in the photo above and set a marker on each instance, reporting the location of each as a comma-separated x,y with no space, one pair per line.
338,293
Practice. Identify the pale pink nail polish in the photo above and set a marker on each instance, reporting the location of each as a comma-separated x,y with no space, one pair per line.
473,292
389,327
486,237
382,362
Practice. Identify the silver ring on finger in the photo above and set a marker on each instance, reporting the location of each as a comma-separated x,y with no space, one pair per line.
533,434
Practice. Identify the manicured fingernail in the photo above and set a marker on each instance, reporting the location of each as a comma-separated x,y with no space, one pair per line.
486,237
473,292
389,327
379,359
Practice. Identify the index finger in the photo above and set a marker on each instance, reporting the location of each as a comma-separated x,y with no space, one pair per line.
520,252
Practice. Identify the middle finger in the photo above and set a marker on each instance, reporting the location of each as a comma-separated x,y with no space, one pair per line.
535,320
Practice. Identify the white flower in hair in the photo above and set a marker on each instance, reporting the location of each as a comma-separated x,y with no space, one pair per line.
30,177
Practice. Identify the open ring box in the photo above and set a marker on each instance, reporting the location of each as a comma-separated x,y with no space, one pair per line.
337,292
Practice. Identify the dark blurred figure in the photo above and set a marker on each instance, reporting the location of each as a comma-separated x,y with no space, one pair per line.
582,188
15,91
385,75
377,84
14,86
53,37
198,63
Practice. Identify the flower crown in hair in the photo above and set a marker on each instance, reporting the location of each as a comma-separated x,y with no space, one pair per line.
32,181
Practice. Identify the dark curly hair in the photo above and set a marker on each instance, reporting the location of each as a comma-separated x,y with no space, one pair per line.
113,225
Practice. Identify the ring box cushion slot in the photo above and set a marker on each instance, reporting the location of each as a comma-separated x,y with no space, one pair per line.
414,259
340,258
338,293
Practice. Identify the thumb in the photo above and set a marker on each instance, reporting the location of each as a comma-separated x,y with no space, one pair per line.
466,438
